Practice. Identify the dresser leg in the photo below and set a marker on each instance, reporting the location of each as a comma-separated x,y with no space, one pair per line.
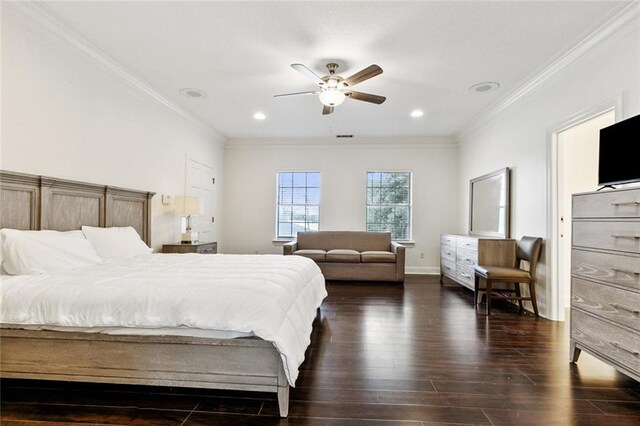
575,352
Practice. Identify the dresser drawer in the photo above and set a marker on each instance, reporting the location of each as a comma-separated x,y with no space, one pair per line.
619,306
202,248
448,240
606,339
467,243
465,275
448,268
208,248
618,269
607,204
621,236
467,257
448,253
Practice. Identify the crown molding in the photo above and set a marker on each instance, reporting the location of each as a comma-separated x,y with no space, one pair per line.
35,17
440,142
622,21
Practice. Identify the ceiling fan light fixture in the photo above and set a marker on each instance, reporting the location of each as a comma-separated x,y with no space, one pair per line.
331,97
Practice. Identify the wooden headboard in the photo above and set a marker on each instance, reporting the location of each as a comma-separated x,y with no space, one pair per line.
33,202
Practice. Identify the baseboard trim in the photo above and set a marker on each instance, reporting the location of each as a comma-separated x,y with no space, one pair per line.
422,270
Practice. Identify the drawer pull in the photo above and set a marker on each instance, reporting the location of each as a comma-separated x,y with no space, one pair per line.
624,308
631,351
634,237
622,271
630,203
465,275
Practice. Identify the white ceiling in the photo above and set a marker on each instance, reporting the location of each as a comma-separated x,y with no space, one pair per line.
240,52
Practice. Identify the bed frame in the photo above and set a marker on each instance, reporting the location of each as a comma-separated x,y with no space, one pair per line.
36,202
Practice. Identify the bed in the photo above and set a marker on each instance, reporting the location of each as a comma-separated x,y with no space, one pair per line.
188,348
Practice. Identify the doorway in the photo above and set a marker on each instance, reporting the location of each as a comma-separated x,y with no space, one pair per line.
572,168
200,182
577,172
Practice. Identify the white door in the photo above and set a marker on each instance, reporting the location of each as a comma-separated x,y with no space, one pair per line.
577,172
201,184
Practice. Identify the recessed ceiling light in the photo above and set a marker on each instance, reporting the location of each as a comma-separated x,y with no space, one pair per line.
259,116
193,93
483,87
417,113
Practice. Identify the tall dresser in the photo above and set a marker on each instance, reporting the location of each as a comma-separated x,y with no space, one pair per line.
459,254
605,278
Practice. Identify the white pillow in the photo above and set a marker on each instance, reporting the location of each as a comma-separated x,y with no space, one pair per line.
41,252
116,242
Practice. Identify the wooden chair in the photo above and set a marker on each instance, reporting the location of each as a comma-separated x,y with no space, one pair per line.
528,249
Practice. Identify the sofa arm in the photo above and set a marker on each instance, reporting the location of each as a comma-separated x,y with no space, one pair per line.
289,248
399,250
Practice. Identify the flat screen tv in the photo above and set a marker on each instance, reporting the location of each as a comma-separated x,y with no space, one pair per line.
619,162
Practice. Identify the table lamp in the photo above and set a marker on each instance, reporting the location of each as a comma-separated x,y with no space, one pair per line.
188,206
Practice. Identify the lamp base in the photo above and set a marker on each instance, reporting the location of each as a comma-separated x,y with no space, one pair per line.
189,237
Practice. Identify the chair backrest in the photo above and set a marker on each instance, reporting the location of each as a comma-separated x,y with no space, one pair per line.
529,249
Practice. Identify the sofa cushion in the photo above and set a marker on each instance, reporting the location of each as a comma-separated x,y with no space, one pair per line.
343,255
378,256
315,255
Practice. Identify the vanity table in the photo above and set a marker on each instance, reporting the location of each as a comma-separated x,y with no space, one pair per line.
488,240
459,255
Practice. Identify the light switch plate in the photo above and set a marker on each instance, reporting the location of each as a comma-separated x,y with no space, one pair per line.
166,199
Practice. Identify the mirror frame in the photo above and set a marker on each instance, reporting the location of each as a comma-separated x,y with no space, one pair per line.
507,215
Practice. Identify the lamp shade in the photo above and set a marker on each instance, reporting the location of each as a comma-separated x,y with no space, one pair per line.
187,206
331,97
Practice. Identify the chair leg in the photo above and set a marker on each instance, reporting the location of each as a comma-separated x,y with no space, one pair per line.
476,288
519,294
488,297
532,291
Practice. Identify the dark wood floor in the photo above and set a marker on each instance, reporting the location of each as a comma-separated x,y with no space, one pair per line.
381,354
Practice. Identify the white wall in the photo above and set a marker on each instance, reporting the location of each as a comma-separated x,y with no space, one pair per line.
63,115
250,197
518,137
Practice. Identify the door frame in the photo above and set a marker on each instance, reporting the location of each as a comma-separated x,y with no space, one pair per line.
555,295
195,159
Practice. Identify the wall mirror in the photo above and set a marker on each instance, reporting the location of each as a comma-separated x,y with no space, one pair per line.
489,204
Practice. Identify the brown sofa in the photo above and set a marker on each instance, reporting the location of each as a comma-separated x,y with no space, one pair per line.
349,255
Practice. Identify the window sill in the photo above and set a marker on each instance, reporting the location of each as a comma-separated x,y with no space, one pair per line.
406,243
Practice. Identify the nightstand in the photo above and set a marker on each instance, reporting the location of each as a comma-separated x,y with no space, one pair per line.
202,248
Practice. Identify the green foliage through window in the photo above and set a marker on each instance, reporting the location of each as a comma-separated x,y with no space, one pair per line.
389,203
298,203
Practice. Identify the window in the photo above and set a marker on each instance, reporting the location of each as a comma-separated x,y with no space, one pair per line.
298,203
389,203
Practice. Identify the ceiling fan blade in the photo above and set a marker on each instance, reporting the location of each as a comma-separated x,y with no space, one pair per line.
313,92
365,74
367,97
326,110
307,73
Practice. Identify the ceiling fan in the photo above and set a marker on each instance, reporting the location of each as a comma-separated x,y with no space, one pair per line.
333,89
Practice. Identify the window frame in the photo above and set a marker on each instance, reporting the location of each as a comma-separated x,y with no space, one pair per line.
277,212
409,238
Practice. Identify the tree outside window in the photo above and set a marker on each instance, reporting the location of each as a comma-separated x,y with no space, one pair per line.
389,203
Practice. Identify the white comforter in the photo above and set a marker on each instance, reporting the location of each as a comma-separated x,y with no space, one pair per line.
275,297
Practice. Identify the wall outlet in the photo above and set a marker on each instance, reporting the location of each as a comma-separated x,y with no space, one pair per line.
257,252
422,255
